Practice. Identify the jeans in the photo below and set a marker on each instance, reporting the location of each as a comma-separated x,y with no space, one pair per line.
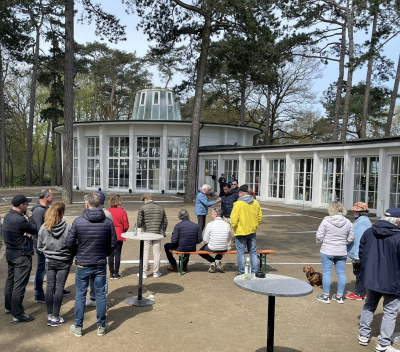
19,270
82,277
241,243
92,293
117,255
40,271
391,305
57,274
208,257
339,261
170,256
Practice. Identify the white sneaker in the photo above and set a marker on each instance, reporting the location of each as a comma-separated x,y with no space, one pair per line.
363,340
389,348
144,275
219,265
156,274
90,303
212,268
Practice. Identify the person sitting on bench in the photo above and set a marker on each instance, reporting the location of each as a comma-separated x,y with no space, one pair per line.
216,237
185,237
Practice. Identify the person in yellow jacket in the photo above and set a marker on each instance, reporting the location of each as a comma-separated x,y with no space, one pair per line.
246,216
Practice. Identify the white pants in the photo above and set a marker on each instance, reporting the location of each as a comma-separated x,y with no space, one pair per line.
156,255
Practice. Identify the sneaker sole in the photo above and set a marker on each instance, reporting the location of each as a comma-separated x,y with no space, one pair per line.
340,302
326,302
362,343
103,334
75,334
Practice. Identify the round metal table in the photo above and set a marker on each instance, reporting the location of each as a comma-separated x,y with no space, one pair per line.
274,286
139,300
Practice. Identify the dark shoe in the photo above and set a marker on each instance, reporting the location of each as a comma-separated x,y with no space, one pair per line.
66,293
7,311
24,318
112,276
184,268
173,268
58,322
40,300
117,276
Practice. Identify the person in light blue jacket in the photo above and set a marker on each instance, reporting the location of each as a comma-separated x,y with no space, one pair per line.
362,223
202,205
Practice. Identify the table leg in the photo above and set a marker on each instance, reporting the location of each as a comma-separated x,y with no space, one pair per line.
271,324
139,300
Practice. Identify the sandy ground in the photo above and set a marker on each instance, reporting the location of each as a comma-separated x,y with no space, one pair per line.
200,311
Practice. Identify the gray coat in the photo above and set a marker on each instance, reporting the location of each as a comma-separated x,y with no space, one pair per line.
52,243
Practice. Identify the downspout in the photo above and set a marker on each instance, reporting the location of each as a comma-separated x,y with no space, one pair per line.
197,166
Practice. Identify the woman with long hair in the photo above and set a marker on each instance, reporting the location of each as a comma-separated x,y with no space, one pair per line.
333,235
121,224
51,242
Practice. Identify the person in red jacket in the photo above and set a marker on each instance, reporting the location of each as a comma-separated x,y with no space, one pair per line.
121,224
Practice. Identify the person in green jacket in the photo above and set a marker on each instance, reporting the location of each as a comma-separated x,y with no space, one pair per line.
246,216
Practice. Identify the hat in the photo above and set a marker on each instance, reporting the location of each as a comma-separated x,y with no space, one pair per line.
20,199
147,196
244,188
102,196
360,206
393,213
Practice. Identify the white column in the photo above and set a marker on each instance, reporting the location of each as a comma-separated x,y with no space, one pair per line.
383,196
348,180
80,138
317,181
242,170
289,179
103,159
202,172
132,158
264,177
163,161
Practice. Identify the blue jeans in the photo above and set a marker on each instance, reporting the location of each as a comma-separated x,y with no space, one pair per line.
82,277
92,292
40,271
241,243
340,265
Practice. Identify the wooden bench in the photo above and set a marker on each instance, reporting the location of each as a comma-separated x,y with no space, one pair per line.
262,256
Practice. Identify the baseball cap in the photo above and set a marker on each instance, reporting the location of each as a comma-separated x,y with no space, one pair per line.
360,206
393,212
102,196
20,199
244,188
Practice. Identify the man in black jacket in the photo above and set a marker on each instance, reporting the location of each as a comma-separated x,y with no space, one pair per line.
38,213
92,237
227,201
17,232
184,238
380,266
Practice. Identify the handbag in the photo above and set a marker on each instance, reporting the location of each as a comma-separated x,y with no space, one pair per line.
356,268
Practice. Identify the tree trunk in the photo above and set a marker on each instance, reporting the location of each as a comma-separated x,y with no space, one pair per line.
339,84
268,118
393,101
68,103
350,17
2,125
191,175
242,100
112,97
363,131
45,153
95,98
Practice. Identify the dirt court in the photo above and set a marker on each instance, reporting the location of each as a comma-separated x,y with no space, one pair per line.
199,311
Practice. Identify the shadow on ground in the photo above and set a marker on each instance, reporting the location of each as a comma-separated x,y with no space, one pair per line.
278,349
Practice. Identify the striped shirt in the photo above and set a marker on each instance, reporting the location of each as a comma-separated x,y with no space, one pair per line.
217,234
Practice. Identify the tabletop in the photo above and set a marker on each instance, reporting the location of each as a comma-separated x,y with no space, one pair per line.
275,285
144,236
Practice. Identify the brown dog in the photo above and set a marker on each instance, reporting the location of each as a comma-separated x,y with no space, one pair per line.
314,277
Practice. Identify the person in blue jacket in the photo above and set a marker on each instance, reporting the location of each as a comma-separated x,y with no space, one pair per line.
380,267
362,223
202,205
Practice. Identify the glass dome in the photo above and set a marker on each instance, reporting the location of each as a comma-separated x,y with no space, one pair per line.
155,104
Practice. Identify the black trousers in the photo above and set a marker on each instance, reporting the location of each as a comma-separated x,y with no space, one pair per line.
201,221
57,274
115,258
208,257
19,270
170,256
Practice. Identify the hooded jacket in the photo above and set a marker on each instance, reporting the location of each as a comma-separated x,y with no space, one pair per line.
334,234
380,258
202,203
52,243
361,224
38,213
246,216
92,237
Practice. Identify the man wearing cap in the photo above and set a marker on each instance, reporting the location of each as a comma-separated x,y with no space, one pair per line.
17,233
246,216
379,254
152,218
222,182
361,223
38,213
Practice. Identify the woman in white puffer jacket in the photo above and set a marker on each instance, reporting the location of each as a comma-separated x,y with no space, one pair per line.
334,234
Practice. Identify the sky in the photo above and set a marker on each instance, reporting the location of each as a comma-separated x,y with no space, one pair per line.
137,41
